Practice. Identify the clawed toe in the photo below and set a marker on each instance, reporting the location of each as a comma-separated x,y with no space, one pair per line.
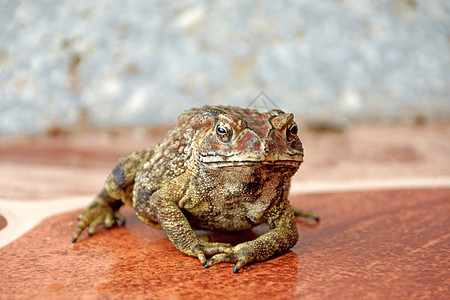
239,255
94,218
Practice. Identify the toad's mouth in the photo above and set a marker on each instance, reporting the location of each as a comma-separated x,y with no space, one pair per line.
250,163
252,159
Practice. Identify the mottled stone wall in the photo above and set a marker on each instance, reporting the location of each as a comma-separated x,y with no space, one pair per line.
110,64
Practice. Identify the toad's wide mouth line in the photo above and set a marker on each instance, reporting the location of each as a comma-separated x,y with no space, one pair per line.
276,163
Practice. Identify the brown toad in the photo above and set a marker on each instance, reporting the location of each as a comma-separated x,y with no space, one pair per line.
221,168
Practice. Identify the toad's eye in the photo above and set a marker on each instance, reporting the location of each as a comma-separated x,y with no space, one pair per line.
224,132
291,131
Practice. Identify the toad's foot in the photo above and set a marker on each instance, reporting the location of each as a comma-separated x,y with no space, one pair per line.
305,214
241,255
96,214
204,248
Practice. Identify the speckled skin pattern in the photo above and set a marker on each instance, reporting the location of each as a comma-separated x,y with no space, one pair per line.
220,169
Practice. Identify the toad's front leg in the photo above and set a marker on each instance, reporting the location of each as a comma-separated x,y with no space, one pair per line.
163,204
282,236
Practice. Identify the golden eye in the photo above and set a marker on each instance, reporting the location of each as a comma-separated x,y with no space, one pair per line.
291,131
224,132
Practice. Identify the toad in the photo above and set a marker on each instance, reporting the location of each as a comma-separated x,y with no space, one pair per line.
221,169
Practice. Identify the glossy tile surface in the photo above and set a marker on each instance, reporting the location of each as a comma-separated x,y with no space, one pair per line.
382,244
384,241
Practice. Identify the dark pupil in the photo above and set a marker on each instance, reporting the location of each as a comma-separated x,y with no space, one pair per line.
221,129
294,129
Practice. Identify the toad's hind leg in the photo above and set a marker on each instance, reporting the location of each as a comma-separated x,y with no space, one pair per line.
102,210
305,214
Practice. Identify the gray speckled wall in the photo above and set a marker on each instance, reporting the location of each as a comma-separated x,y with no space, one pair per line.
137,62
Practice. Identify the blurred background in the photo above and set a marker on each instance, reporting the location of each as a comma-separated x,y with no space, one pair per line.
98,64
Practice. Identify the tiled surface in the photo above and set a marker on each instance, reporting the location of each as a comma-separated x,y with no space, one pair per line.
372,244
389,239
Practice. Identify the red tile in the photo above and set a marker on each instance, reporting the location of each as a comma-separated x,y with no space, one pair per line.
377,244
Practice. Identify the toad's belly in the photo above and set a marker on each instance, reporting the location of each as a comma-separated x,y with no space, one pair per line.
227,201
